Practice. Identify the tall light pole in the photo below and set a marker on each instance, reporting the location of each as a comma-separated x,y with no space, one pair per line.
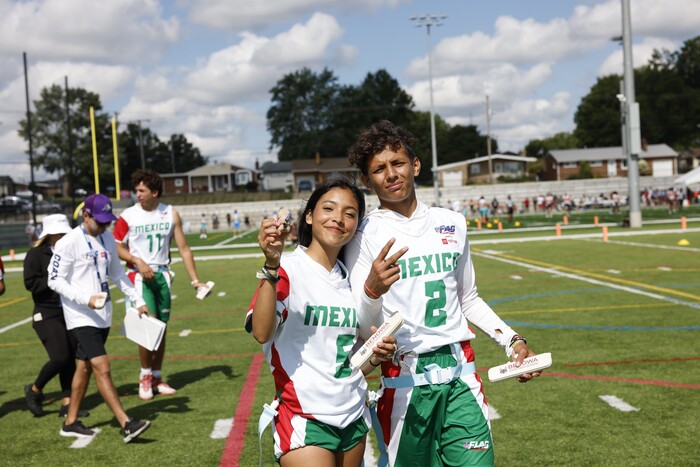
631,120
488,137
429,20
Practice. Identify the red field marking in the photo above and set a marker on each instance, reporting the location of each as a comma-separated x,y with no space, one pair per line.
632,362
625,380
234,443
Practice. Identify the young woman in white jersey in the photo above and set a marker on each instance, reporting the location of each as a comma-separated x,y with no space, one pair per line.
305,316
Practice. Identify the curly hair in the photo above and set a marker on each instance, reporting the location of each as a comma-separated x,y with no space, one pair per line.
379,136
150,178
305,232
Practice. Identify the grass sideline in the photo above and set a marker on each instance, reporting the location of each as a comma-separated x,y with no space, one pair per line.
604,341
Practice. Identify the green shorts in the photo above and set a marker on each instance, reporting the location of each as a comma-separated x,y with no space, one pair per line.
298,432
156,294
444,424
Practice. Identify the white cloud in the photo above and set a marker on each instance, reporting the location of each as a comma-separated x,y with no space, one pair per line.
678,19
105,32
641,53
250,68
254,15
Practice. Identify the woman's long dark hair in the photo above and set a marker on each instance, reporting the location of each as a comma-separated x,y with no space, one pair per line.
305,233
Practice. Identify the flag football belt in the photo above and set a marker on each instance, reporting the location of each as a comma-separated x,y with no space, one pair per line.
432,374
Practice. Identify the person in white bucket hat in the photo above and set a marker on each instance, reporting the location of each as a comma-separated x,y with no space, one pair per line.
47,318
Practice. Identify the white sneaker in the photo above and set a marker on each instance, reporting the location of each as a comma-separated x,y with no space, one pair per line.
146,387
162,387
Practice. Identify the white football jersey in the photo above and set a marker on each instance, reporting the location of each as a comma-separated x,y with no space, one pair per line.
437,287
309,355
147,233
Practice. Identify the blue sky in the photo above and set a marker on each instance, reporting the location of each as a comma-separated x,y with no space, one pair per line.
204,67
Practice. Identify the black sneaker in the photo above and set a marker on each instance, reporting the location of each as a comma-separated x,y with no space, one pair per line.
133,428
63,412
34,401
76,429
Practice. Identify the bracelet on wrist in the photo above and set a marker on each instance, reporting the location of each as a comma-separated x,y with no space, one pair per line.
194,282
370,362
517,338
271,268
370,293
264,274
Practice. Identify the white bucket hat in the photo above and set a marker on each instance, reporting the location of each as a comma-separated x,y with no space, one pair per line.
55,224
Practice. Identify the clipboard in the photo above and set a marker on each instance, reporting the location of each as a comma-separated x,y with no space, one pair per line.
145,331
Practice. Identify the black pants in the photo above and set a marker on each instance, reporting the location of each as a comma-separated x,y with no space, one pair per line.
61,349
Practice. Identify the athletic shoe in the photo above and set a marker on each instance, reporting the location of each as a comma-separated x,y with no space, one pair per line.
76,429
34,401
63,412
133,428
161,387
146,387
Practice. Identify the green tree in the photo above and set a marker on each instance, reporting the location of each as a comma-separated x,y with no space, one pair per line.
50,135
301,112
540,147
464,142
419,125
688,62
598,115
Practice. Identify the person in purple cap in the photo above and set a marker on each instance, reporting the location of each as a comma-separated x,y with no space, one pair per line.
81,263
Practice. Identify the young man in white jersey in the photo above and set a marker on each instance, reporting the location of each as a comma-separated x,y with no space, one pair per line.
143,233
81,263
433,410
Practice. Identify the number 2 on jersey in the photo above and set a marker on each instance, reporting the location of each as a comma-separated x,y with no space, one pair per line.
435,313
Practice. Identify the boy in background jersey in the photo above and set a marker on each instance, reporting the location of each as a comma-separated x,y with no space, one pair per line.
441,416
143,233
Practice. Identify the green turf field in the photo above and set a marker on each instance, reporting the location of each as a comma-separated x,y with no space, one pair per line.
620,318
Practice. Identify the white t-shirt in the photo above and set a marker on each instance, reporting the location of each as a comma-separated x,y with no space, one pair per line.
147,233
79,269
309,355
437,288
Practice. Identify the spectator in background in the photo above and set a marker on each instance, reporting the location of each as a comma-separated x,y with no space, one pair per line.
236,225
2,278
203,227
48,321
29,230
81,263
215,221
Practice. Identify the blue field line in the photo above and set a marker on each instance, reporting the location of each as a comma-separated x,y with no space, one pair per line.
601,328
542,295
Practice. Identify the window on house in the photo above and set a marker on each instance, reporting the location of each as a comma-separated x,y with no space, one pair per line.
474,169
596,163
569,165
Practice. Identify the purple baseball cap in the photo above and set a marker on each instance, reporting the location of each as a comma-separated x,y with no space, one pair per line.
99,207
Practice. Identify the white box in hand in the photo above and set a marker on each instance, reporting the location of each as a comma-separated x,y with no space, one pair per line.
509,370
388,328
204,290
101,299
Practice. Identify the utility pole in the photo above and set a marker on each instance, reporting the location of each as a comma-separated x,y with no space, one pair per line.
143,157
69,137
488,137
29,138
430,20
632,121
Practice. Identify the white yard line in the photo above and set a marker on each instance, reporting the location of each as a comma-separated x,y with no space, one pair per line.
651,245
222,428
185,332
619,404
18,323
493,413
590,281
